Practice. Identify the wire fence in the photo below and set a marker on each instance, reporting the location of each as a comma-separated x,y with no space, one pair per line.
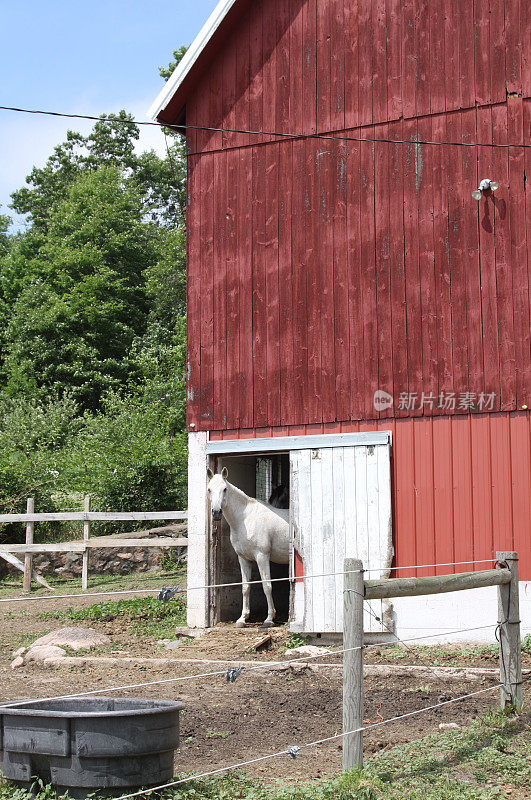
230,676
233,584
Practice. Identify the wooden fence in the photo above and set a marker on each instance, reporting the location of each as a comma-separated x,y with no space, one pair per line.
356,590
85,544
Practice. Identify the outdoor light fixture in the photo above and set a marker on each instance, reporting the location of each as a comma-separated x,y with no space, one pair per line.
485,184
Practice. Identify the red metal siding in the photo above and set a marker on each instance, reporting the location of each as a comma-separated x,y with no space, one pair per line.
461,486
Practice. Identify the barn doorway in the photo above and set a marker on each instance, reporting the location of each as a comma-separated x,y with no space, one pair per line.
265,477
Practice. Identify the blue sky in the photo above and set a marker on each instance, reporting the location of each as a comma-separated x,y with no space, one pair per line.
91,57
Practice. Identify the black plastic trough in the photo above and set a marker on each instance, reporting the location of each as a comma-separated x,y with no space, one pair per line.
89,744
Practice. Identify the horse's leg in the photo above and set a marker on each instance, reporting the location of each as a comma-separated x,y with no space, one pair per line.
265,573
246,567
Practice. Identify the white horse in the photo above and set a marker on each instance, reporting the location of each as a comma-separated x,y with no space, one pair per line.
258,532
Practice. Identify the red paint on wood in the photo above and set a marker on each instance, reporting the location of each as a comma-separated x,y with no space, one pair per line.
341,283
194,311
285,282
259,374
462,491
206,398
383,251
270,189
412,165
244,191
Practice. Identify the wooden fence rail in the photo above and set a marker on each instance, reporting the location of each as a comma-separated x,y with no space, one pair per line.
86,544
505,577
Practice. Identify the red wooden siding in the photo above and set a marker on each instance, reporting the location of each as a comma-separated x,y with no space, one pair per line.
461,486
296,66
330,269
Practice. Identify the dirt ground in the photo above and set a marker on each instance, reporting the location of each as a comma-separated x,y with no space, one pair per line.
261,712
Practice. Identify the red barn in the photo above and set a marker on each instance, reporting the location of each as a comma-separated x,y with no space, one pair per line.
358,323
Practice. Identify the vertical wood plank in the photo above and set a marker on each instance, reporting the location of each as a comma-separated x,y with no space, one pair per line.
425,154
311,202
341,283
328,533
353,665
242,109
466,54
437,58
244,196
442,267
219,268
489,305
498,82
259,289
28,557
207,292
318,584
379,68
86,537
193,304
451,53
337,65
270,188
504,270
519,256
365,64
457,202
296,68
283,79
384,248
422,54
325,179
368,276
231,411
394,63
470,180
288,406
510,644
324,78
482,52
412,174
256,94
350,15
398,275
513,44
305,530
309,67
299,214
355,296
409,61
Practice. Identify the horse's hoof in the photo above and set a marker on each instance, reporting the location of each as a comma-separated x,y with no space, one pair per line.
267,624
240,623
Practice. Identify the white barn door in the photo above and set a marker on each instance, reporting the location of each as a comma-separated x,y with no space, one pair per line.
340,508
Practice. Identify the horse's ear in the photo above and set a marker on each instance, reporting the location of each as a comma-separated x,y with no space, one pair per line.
224,472
210,473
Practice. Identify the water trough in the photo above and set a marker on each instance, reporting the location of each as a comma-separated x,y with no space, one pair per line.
86,744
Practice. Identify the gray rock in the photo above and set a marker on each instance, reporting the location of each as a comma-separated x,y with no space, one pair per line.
75,638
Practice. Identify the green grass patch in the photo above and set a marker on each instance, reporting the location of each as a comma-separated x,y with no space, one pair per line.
146,616
476,763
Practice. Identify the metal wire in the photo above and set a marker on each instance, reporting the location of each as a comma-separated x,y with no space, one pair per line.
239,583
298,748
217,673
182,128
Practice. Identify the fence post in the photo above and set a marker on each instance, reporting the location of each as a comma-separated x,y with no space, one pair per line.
28,557
509,634
353,663
86,537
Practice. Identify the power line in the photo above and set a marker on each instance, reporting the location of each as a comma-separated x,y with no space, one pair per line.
209,129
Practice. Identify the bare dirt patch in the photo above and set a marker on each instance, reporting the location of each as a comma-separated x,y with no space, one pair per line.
260,713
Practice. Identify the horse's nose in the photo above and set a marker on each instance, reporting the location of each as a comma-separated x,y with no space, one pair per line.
216,515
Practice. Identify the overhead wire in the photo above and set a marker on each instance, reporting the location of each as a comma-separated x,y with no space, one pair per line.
282,135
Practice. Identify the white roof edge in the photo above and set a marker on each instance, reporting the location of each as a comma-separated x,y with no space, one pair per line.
192,54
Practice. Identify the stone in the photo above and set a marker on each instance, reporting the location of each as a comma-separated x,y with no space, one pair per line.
449,726
74,638
43,651
307,650
19,652
17,662
125,556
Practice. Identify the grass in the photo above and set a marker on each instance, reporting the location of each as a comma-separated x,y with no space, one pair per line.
477,763
145,616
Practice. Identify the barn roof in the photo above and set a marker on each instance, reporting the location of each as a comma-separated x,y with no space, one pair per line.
169,103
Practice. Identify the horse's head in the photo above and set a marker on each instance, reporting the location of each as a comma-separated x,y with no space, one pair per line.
217,491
